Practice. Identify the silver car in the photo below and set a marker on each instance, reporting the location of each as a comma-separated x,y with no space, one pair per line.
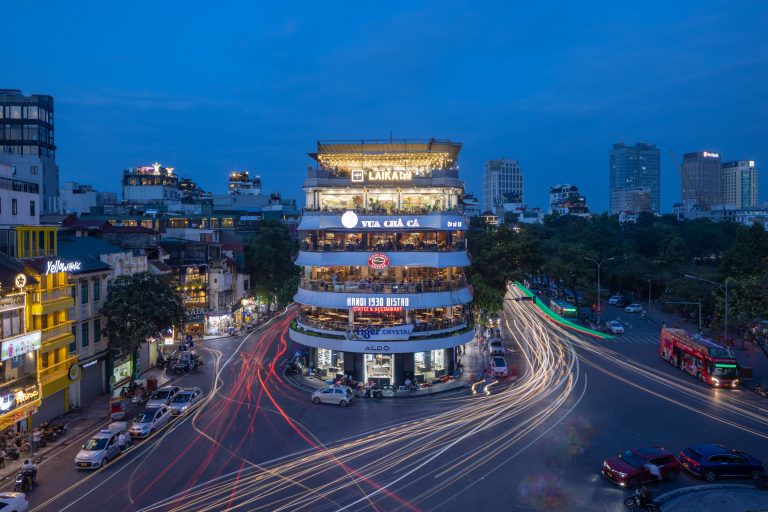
341,395
163,396
150,421
101,448
186,400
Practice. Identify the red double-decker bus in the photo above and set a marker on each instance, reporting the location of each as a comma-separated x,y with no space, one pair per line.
699,356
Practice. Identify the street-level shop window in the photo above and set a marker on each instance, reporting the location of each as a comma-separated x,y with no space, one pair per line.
379,369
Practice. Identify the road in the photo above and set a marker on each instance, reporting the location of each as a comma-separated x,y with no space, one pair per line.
537,444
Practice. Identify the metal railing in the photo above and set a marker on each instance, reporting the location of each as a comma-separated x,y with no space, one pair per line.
421,286
341,327
50,295
56,371
51,333
389,246
380,210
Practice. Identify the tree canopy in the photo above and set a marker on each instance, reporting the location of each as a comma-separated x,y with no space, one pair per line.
140,306
269,261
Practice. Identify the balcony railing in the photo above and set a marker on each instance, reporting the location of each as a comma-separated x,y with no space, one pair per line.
389,246
56,371
421,286
51,333
53,294
434,325
380,210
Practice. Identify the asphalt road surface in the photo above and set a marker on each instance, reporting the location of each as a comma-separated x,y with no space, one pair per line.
537,444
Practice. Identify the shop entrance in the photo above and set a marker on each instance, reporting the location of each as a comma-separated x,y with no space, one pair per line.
379,369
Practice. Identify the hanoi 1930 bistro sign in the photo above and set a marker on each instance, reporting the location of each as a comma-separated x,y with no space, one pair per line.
19,345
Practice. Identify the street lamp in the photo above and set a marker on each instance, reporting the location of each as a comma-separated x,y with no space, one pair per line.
599,264
722,288
649,296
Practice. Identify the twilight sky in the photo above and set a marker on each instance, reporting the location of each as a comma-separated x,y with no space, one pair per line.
208,89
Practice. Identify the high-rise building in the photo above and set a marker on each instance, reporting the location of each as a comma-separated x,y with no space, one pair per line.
501,177
27,143
740,184
631,200
702,179
383,296
632,167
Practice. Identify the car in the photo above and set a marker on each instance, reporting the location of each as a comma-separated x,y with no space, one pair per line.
497,348
295,366
102,447
341,395
186,400
633,308
713,461
615,299
163,396
150,421
499,367
622,303
628,467
13,502
614,326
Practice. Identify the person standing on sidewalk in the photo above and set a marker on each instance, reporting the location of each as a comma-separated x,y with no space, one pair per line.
121,441
2,458
36,437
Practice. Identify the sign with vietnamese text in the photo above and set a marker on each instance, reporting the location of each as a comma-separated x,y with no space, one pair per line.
19,345
12,302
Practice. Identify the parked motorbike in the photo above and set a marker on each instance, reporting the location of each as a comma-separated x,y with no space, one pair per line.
12,452
636,501
761,390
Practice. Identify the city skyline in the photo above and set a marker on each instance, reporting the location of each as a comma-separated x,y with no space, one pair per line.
271,87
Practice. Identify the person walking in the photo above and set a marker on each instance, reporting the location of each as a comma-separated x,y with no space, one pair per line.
121,441
2,458
36,437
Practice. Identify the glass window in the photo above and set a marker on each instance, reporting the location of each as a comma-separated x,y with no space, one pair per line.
96,289
32,112
15,111
73,345
96,330
83,291
32,208
33,169
84,334
14,207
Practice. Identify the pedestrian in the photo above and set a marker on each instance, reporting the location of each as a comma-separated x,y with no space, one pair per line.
2,458
121,441
36,440
654,470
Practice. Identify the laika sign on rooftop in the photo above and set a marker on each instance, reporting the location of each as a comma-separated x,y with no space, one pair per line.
56,266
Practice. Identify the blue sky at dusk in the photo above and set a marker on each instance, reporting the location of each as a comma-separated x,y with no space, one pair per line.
208,87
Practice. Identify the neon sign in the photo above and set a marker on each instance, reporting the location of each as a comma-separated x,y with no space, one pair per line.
707,154
56,266
378,301
378,261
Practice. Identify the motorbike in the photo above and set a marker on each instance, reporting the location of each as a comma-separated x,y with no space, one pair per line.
761,390
635,501
25,479
12,452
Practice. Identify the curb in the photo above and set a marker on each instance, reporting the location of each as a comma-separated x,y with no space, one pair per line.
696,488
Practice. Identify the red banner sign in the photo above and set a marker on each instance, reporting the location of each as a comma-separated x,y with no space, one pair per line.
378,260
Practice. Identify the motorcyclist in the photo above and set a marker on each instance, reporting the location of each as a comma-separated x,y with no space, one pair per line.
646,497
29,471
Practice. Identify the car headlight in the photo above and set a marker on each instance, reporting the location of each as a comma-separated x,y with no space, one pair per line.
735,383
715,381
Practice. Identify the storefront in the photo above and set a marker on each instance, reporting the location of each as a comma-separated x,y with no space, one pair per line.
379,369
217,323
429,365
92,382
122,371
330,363
194,322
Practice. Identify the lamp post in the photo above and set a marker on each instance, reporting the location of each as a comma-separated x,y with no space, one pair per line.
649,296
599,264
723,288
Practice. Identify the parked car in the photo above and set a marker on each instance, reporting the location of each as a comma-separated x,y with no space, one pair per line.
614,300
622,302
499,367
102,447
186,400
149,421
633,308
163,396
497,348
341,395
295,366
614,326
712,461
628,467
13,502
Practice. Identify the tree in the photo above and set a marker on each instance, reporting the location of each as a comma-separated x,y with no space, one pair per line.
269,260
140,306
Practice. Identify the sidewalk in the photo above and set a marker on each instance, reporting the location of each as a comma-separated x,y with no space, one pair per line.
80,422
751,355
715,498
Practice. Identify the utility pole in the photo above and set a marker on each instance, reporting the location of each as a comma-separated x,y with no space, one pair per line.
724,289
599,264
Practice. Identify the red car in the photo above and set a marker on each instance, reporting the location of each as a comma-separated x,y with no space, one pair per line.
628,468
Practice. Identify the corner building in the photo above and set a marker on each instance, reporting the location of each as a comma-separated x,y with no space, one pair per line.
383,296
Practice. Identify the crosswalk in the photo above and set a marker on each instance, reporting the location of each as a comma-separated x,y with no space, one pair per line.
631,338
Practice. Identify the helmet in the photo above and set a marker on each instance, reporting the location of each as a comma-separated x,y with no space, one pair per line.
26,461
